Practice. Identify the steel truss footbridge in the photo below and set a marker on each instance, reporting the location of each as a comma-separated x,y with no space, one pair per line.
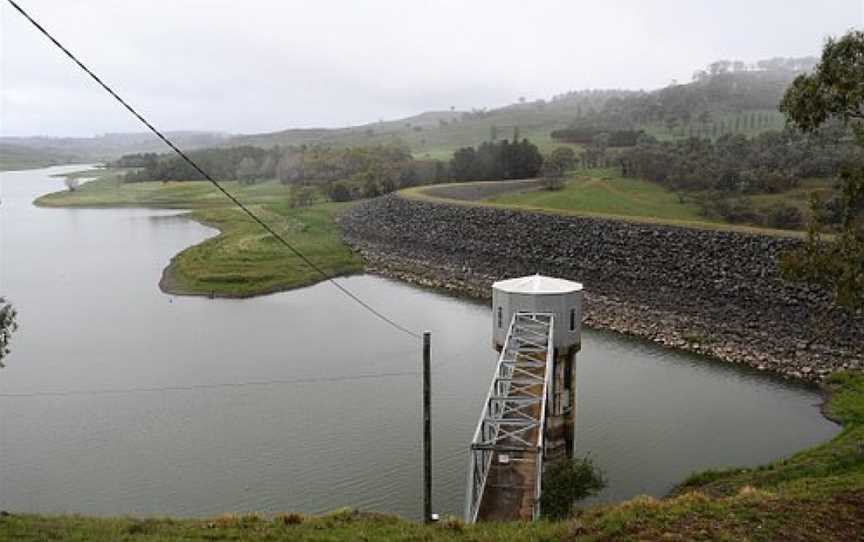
505,473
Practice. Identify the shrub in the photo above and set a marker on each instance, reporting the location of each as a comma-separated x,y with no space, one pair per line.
340,192
567,481
785,216
301,196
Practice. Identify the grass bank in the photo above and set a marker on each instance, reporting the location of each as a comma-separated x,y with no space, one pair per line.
606,194
817,494
242,260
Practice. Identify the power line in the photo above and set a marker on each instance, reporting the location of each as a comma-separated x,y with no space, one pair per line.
204,174
195,387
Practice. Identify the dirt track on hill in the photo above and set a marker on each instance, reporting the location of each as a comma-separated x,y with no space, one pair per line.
481,190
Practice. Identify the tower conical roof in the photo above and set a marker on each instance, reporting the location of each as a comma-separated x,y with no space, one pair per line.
537,284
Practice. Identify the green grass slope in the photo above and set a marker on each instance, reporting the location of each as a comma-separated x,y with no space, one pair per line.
243,260
606,192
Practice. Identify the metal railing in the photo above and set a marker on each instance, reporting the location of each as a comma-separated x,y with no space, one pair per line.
513,420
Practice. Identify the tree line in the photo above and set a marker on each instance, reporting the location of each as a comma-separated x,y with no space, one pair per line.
494,160
344,172
735,165
585,135
725,97
770,162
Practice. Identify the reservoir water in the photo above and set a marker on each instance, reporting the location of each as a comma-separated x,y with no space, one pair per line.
92,318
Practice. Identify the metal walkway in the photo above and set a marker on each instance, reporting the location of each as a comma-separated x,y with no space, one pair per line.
505,474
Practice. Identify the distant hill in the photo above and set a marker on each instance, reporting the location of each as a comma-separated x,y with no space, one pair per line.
14,157
725,97
28,152
737,98
436,134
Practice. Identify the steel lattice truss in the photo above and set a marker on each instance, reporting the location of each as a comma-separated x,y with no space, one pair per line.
514,413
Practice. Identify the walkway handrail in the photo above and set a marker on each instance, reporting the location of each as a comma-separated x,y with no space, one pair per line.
477,481
489,428
547,388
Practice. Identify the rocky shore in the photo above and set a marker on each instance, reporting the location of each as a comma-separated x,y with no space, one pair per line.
717,293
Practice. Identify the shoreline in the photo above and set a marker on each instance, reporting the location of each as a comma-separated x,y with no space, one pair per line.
607,315
613,316
442,247
621,312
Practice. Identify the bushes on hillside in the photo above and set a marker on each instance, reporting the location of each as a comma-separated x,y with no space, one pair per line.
388,165
768,163
585,135
496,160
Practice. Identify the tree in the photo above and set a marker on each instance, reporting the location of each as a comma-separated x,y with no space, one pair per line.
833,91
564,156
8,324
567,481
704,119
594,154
784,216
247,170
408,177
290,168
268,168
556,165
300,195
496,160
340,192
370,188
671,124
71,183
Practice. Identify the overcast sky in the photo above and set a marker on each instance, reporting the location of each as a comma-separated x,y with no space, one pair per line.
264,65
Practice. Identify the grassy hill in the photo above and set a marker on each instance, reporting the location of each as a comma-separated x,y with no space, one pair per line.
741,102
13,157
33,152
732,100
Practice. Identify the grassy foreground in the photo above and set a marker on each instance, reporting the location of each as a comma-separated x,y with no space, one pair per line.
242,260
817,494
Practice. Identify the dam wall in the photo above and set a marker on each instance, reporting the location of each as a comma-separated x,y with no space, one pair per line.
713,292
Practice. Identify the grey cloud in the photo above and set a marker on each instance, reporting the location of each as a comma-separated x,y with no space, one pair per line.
268,65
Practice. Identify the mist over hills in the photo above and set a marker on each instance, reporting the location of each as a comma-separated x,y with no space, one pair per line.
723,87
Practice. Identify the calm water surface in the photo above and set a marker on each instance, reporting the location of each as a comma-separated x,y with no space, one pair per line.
92,318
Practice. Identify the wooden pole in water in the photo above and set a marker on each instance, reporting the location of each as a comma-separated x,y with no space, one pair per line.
427,429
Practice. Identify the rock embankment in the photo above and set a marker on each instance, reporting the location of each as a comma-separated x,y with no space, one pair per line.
713,292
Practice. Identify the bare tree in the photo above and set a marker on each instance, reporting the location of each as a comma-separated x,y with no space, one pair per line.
7,326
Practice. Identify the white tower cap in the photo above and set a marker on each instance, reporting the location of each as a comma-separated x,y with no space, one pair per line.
537,284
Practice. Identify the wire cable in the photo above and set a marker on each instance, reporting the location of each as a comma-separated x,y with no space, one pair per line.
194,387
204,174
